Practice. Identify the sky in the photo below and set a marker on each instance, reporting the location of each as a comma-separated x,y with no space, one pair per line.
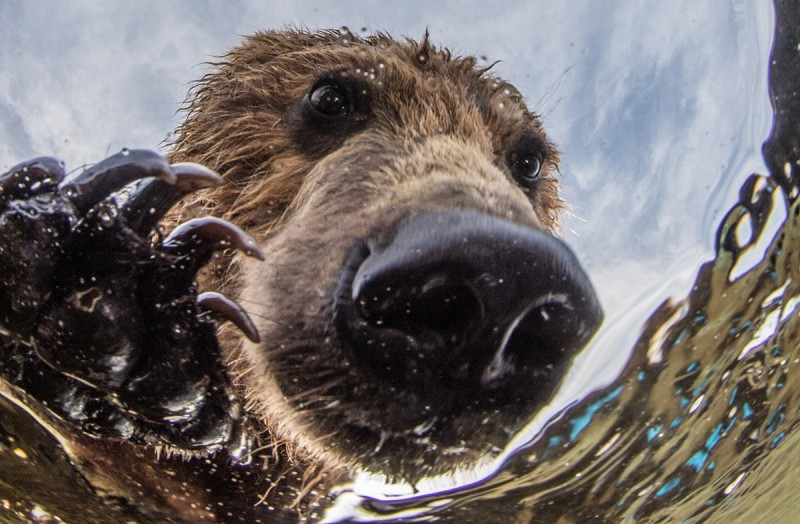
659,108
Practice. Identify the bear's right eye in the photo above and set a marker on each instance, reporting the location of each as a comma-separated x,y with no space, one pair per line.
329,100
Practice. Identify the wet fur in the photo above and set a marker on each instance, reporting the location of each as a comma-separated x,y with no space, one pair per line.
435,136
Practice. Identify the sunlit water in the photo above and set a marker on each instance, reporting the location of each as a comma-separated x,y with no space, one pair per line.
680,412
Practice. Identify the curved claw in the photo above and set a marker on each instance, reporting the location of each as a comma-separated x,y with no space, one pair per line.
190,177
29,178
190,246
229,310
94,184
200,236
151,198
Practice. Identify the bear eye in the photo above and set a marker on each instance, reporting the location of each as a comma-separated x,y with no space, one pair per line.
329,100
525,167
332,109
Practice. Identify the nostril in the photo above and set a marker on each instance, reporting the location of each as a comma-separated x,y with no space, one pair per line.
542,337
439,312
449,308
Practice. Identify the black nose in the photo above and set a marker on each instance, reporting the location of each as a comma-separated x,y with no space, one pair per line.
459,297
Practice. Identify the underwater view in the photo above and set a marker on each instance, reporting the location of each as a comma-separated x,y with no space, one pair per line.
679,133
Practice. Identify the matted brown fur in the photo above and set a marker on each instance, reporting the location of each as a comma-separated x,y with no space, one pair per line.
235,120
429,112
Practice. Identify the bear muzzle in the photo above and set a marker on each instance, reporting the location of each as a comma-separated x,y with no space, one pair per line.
462,299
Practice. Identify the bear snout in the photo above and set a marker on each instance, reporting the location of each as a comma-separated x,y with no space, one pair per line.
414,309
460,299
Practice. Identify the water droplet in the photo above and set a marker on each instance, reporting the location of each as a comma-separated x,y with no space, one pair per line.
107,215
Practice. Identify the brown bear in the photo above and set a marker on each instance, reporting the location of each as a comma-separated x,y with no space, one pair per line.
415,307
334,148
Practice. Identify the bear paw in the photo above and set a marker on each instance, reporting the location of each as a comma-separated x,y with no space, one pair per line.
100,316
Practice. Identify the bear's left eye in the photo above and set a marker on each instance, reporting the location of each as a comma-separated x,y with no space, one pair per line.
525,167
333,108
329,100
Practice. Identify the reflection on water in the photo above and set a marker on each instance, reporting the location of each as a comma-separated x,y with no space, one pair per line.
701,424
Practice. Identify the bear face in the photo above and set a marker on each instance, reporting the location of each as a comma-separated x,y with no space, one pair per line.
415,308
